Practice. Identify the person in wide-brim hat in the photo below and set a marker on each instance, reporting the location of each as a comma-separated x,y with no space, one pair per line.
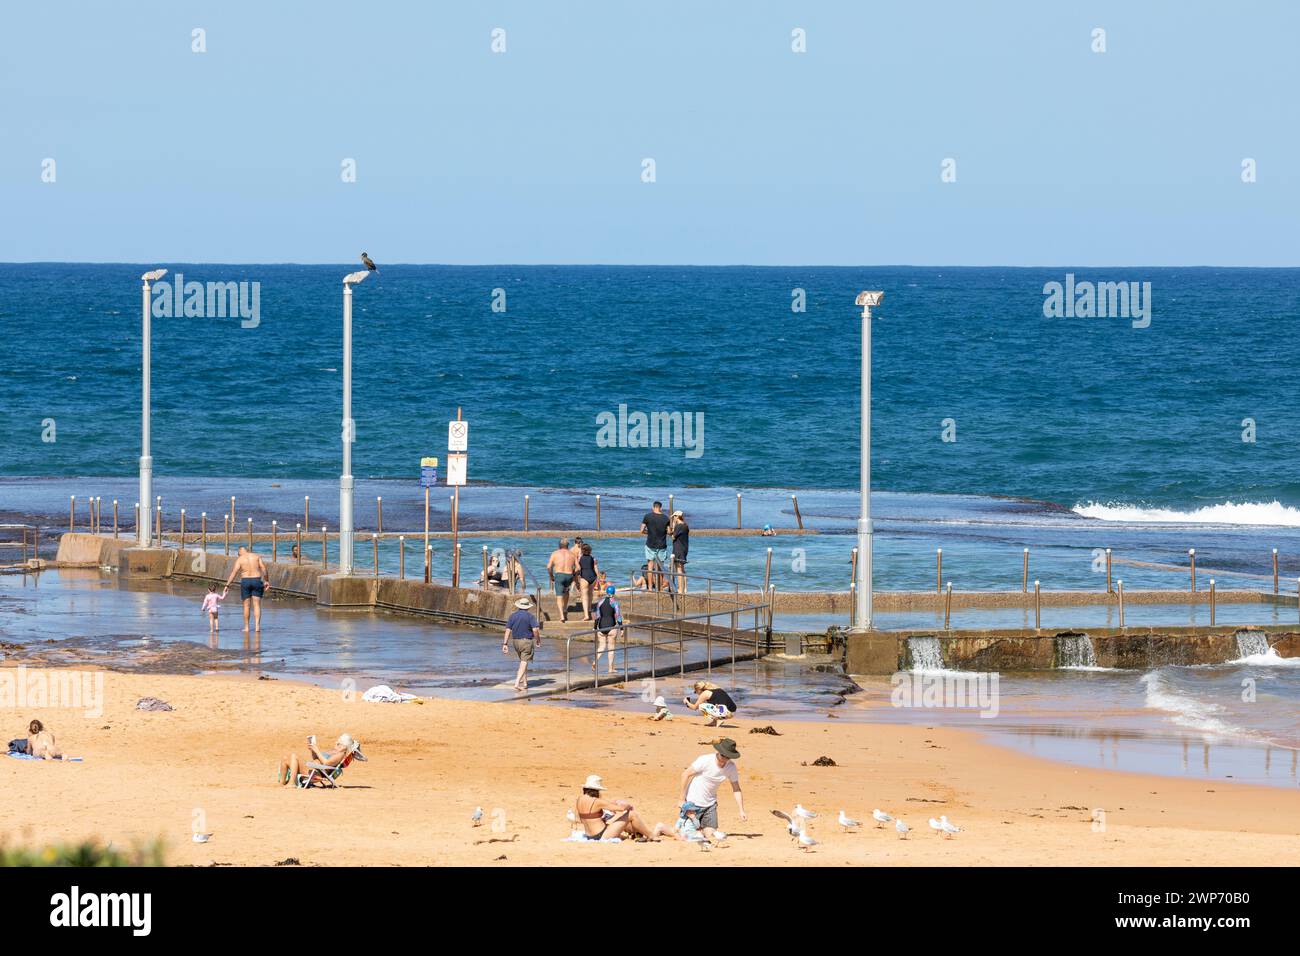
603,819
524,603
524,631
727,747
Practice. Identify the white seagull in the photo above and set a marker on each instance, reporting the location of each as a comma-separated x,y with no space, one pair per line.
793,825
902,828
805,841
881,818
800,812
847,822
936,826
477,816
571,817
948,826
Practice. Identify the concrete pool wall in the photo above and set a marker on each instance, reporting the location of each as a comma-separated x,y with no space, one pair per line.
880,652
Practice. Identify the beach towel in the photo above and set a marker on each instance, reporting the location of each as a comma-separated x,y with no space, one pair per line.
578,836
383,694
33,757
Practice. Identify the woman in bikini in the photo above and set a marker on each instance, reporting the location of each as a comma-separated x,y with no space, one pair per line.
623,819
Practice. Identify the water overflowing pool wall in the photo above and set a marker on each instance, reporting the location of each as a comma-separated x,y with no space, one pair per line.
1137,648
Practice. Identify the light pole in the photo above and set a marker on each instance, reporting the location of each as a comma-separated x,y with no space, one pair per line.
144,527
349,429
862,617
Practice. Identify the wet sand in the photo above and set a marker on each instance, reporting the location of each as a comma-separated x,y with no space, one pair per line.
148,775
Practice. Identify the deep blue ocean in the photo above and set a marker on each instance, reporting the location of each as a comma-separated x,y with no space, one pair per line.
1066,410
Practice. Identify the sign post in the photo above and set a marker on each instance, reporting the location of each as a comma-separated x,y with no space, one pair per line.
457,472
428,478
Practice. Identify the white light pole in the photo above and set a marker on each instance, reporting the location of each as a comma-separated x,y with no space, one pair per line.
144,527
349,429
862,616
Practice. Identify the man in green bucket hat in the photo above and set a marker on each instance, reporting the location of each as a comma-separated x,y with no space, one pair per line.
700,782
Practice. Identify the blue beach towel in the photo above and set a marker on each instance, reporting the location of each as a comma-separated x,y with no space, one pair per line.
32,757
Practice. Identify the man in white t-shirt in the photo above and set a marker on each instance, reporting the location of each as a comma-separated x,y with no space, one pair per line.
700,782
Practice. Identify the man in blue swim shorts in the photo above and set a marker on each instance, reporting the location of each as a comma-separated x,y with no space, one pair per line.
251,570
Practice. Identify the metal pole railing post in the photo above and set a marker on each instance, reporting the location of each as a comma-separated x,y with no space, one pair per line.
72,513
1211,602
379,511
182,529
138,530
297,531
275,540
1191,554
598,512
324,549
1274,568
947,608
1120,590
115,528
1038,608
938,570
738,522
1109,589
1024,576
250,534
203,530
526,513
374,540
794,500
401,557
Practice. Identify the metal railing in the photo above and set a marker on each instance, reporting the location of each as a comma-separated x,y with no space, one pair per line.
680,627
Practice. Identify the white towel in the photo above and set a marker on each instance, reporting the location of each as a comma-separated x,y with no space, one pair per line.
383,694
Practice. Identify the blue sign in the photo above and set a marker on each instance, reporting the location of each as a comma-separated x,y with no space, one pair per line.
428,477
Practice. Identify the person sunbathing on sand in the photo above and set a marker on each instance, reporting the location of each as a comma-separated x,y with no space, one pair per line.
291,766
604,819
40,742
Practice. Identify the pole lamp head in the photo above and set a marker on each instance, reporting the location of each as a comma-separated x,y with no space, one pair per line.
153,276
352,278
867,300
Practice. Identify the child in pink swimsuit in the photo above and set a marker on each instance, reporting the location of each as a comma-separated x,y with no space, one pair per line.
210,602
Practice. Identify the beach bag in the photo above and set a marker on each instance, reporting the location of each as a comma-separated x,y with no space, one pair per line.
18,745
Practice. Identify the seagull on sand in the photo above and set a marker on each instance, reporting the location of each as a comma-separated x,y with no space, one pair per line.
948,826
902,828
477,816
847,822
803,814
793,825
805,841
936,826
571,817
369,263
881,818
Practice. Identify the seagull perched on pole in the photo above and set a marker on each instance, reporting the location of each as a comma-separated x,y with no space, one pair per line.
902,828
847,822
881,818
369,263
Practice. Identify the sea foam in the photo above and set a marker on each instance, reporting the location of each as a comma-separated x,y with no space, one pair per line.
1247,512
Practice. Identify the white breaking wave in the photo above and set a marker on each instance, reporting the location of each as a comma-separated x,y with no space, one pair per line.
1270,658
1185,710
1247,512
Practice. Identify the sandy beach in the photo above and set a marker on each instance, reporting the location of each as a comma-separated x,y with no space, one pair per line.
147,774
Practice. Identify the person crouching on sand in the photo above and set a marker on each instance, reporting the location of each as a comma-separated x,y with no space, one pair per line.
711,700
604,819
344,747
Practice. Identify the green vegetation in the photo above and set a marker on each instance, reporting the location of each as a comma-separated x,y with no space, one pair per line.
89,853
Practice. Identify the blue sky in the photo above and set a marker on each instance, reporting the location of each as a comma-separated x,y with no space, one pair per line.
763,156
